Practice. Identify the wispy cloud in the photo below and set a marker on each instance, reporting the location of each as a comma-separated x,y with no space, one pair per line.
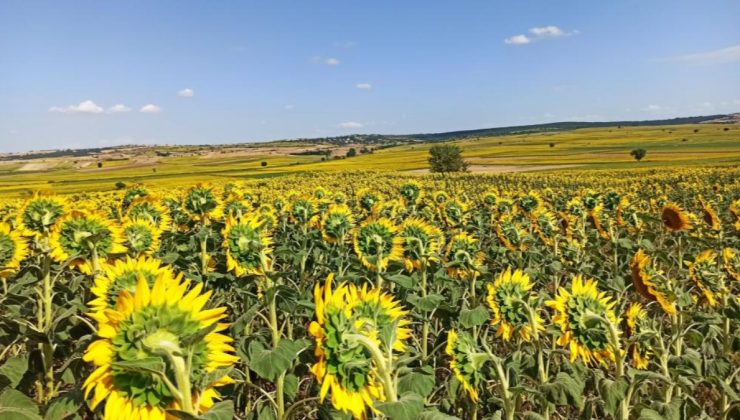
118,109
366,86
150,109
186,93
289,107
724,55
84,107
329,61
351,124
539,33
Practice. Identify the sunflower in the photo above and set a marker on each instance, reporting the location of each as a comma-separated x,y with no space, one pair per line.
709,215
463,257
235,207
83,237
123,275
731,262
587,336
141,236
439,197
201,204
346,367
39,214
635,322
490,198
421,241
598,219
168,331
627,216
149,208
339,198
13,250
377,243
368,199
267,216
529,202
411,192
466,362
707,276
651,283
611,200
506,298
545,226
454,212
575,207
674,218
131,195
505,206
511,234
336,223
735,209
248,246
302,210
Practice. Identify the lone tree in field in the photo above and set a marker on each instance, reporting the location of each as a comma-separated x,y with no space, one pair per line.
638,154
351,152
446,158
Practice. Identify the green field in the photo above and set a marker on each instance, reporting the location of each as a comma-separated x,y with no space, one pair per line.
592,148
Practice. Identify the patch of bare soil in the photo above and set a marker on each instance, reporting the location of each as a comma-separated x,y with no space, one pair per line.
495,169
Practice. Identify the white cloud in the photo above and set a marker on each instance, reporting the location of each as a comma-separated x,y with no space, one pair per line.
351,124
517,40
150,109
653,108
724,55
366,86
117,109
186,93
331,61
538,33
289,107
84,107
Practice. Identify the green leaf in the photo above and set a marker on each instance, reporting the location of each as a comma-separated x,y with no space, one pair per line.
14,369
419,383
223,410
149,365
270,363
407,407
290,386
402,280
613,393
649,414
531,415
64,406
564,390
474,317
435,415
15,405
427,303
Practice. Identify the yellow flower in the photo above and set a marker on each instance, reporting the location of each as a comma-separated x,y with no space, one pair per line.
39,214
141,236
709,215
634,320
84,236
248,246
651,283
149,208
376,243
674,218
157,325
13,250
421,241
465,362
705,273
336,223
731,262
506,298
463,258
575,312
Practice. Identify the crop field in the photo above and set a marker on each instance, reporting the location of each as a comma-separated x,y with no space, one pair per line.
593,148
605,290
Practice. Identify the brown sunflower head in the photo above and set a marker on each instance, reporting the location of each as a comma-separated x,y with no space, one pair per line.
675,218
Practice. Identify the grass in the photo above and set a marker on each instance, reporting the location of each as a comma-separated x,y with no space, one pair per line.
682,145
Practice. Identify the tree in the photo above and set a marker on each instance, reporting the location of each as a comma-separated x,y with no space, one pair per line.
264,163
120,185
446,158
638,154
351,152
100,164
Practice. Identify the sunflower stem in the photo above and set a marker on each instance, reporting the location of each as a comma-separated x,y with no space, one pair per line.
182,378
280,382
425,323
382,364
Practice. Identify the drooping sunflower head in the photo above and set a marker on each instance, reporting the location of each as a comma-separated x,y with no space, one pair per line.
463,257
267,216
377,242
529,202
319,193
201,203
600,221
131,195
336,223
511,234
735,209
167,330
731,262
545,225
506,298
339,198
505,206
466,361
411,192
84,236
248,246
302,210
123,275
709,215
652,283
675,219
589,199
635,322
575,207
708,277
439,197
454,212
235,207
343,366
576,312
368,199
490,198
377,313
13,250
141,236
39,214
421,242
627,215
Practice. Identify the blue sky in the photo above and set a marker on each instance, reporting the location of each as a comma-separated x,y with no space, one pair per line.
100,73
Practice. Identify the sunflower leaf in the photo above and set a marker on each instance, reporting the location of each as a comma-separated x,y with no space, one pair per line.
407,407
270,363
473,317
15,405
14,369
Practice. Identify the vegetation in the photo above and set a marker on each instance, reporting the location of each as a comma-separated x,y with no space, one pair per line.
638,154
446,158
582,294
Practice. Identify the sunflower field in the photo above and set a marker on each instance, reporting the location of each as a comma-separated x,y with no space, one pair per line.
563,295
